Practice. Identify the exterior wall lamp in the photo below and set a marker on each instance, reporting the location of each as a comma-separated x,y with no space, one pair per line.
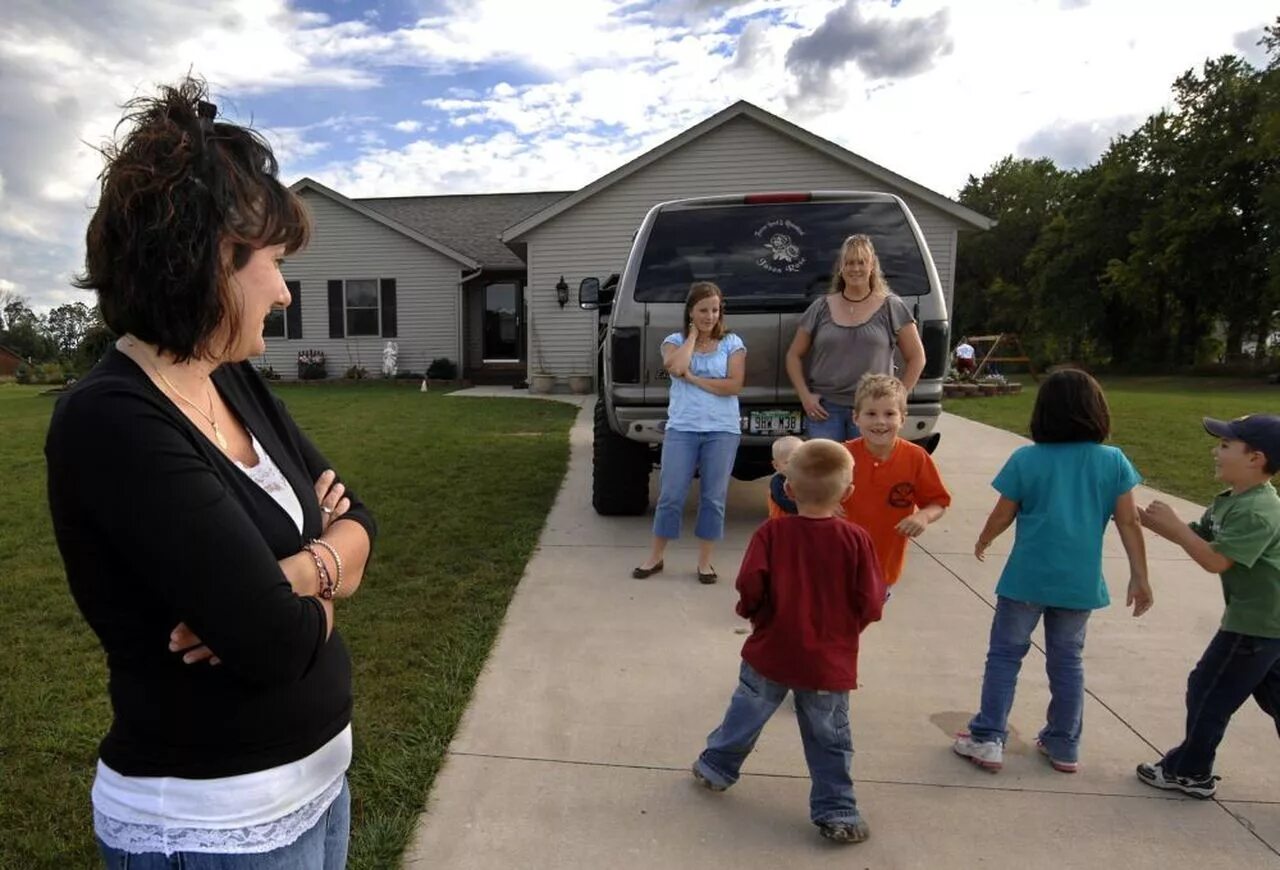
562,292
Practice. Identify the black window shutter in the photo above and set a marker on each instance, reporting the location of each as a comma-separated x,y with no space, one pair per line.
293,314
337,311
388,288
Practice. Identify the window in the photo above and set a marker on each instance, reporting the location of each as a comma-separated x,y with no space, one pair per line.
361,299
286,322
774,251
273,326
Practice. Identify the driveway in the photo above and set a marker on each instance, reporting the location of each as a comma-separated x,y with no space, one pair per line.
600,690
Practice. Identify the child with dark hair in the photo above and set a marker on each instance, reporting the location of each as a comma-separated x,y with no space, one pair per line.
1061,490
1239,538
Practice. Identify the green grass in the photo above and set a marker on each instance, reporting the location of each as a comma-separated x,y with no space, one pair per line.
460,488
1155,420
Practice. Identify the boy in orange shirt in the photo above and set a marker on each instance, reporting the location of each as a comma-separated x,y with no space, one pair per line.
897,492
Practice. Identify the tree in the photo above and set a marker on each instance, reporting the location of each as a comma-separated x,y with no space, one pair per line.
67,325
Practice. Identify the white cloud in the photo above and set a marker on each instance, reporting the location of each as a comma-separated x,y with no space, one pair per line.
587,89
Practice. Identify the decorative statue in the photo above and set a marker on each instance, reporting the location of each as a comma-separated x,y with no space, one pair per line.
389,354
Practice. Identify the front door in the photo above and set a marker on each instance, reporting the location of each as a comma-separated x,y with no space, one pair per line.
503,324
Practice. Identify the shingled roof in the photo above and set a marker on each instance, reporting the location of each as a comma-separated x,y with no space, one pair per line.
467,223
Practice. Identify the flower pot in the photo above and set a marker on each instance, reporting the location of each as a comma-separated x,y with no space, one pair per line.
580,384
541,383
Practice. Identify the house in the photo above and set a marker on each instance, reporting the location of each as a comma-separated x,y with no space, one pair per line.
10,361
476,278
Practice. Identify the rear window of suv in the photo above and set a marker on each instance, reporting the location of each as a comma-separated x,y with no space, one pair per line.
773,250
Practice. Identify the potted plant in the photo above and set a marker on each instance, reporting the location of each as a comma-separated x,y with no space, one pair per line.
540,380
311,365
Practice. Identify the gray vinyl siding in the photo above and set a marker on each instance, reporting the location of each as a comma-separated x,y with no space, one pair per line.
593,237
345,245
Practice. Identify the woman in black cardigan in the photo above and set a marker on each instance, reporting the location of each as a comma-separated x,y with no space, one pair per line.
205,538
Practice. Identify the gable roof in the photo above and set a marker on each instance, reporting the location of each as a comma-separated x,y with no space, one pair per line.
468,223
315,186
744,109
13,353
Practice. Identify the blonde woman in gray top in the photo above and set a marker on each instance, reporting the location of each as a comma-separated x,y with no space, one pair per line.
851,331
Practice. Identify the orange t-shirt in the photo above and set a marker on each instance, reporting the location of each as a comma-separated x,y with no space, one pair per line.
885,491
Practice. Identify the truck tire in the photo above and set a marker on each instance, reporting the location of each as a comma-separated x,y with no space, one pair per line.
620,471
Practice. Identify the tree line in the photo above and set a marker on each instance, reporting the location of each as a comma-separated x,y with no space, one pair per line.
1163,253
68,340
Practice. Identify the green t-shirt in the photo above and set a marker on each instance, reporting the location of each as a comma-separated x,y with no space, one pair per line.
1246,529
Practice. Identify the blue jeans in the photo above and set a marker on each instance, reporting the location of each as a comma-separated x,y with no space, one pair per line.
1233,667
1064,645
824,731
710,455
323,847
838,426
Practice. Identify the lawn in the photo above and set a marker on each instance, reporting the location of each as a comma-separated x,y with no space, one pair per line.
1155,420
460,488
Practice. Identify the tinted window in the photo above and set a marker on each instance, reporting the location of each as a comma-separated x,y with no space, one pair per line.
771,250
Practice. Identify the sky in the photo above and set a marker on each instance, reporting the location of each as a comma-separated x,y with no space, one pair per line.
418,97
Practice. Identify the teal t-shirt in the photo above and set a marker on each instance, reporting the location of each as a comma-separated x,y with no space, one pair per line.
1246,529
693,409
1066,494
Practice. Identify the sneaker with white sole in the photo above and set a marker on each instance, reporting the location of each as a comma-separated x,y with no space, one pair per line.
1057,764
845,832
703,781
987,755
1203,787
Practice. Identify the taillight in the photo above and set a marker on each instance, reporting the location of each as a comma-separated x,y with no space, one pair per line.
934,336
761,198
624,354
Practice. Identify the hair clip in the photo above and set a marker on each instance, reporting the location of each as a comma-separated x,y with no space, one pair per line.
206,111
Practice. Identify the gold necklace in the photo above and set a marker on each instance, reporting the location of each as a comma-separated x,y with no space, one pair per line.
217,431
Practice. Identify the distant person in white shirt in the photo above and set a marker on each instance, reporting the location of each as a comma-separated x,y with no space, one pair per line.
964,355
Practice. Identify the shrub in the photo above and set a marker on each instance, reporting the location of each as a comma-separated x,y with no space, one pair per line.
356,373
23,374
442,369
268,373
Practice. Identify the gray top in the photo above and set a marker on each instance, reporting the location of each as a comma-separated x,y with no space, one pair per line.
840,355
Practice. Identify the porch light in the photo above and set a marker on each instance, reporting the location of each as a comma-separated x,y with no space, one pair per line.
562,292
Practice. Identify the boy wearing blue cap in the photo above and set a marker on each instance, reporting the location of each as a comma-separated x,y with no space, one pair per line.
1239,538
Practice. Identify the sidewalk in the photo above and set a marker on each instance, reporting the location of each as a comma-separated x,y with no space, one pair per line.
601,689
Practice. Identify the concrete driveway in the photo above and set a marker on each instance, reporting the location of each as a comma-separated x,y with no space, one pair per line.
601,689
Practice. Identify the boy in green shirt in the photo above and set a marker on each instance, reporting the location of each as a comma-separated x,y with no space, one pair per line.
1239,538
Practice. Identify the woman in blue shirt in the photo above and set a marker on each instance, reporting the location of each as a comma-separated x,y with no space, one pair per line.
707,366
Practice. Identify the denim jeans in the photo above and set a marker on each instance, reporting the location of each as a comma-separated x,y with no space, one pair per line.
824,731
838,426
710,455
1011,629
323,847
1233,667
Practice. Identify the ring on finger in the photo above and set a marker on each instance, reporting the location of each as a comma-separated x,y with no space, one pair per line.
326,509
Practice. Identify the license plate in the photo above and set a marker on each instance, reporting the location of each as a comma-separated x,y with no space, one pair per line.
774,423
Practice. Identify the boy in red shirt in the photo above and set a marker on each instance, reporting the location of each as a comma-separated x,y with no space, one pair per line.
897,492
810,584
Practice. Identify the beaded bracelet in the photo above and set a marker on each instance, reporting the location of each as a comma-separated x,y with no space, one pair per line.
327,588
337,561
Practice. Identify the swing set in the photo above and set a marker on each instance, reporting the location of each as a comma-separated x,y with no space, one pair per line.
1005,342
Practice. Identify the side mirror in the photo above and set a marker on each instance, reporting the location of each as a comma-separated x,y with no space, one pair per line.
589,294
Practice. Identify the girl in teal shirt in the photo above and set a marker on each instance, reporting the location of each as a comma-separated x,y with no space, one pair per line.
1061,490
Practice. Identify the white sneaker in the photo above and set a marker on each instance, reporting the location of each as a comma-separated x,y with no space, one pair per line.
988,756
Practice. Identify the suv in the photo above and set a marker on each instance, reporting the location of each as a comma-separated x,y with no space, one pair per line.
771,255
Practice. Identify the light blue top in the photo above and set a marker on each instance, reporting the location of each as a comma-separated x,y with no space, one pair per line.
1066,494
693,409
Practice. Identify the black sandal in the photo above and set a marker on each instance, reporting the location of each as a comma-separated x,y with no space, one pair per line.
708,578
641,573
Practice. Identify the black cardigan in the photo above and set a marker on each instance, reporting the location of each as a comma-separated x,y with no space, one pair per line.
157,526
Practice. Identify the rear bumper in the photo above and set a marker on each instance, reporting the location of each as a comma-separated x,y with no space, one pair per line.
647,424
